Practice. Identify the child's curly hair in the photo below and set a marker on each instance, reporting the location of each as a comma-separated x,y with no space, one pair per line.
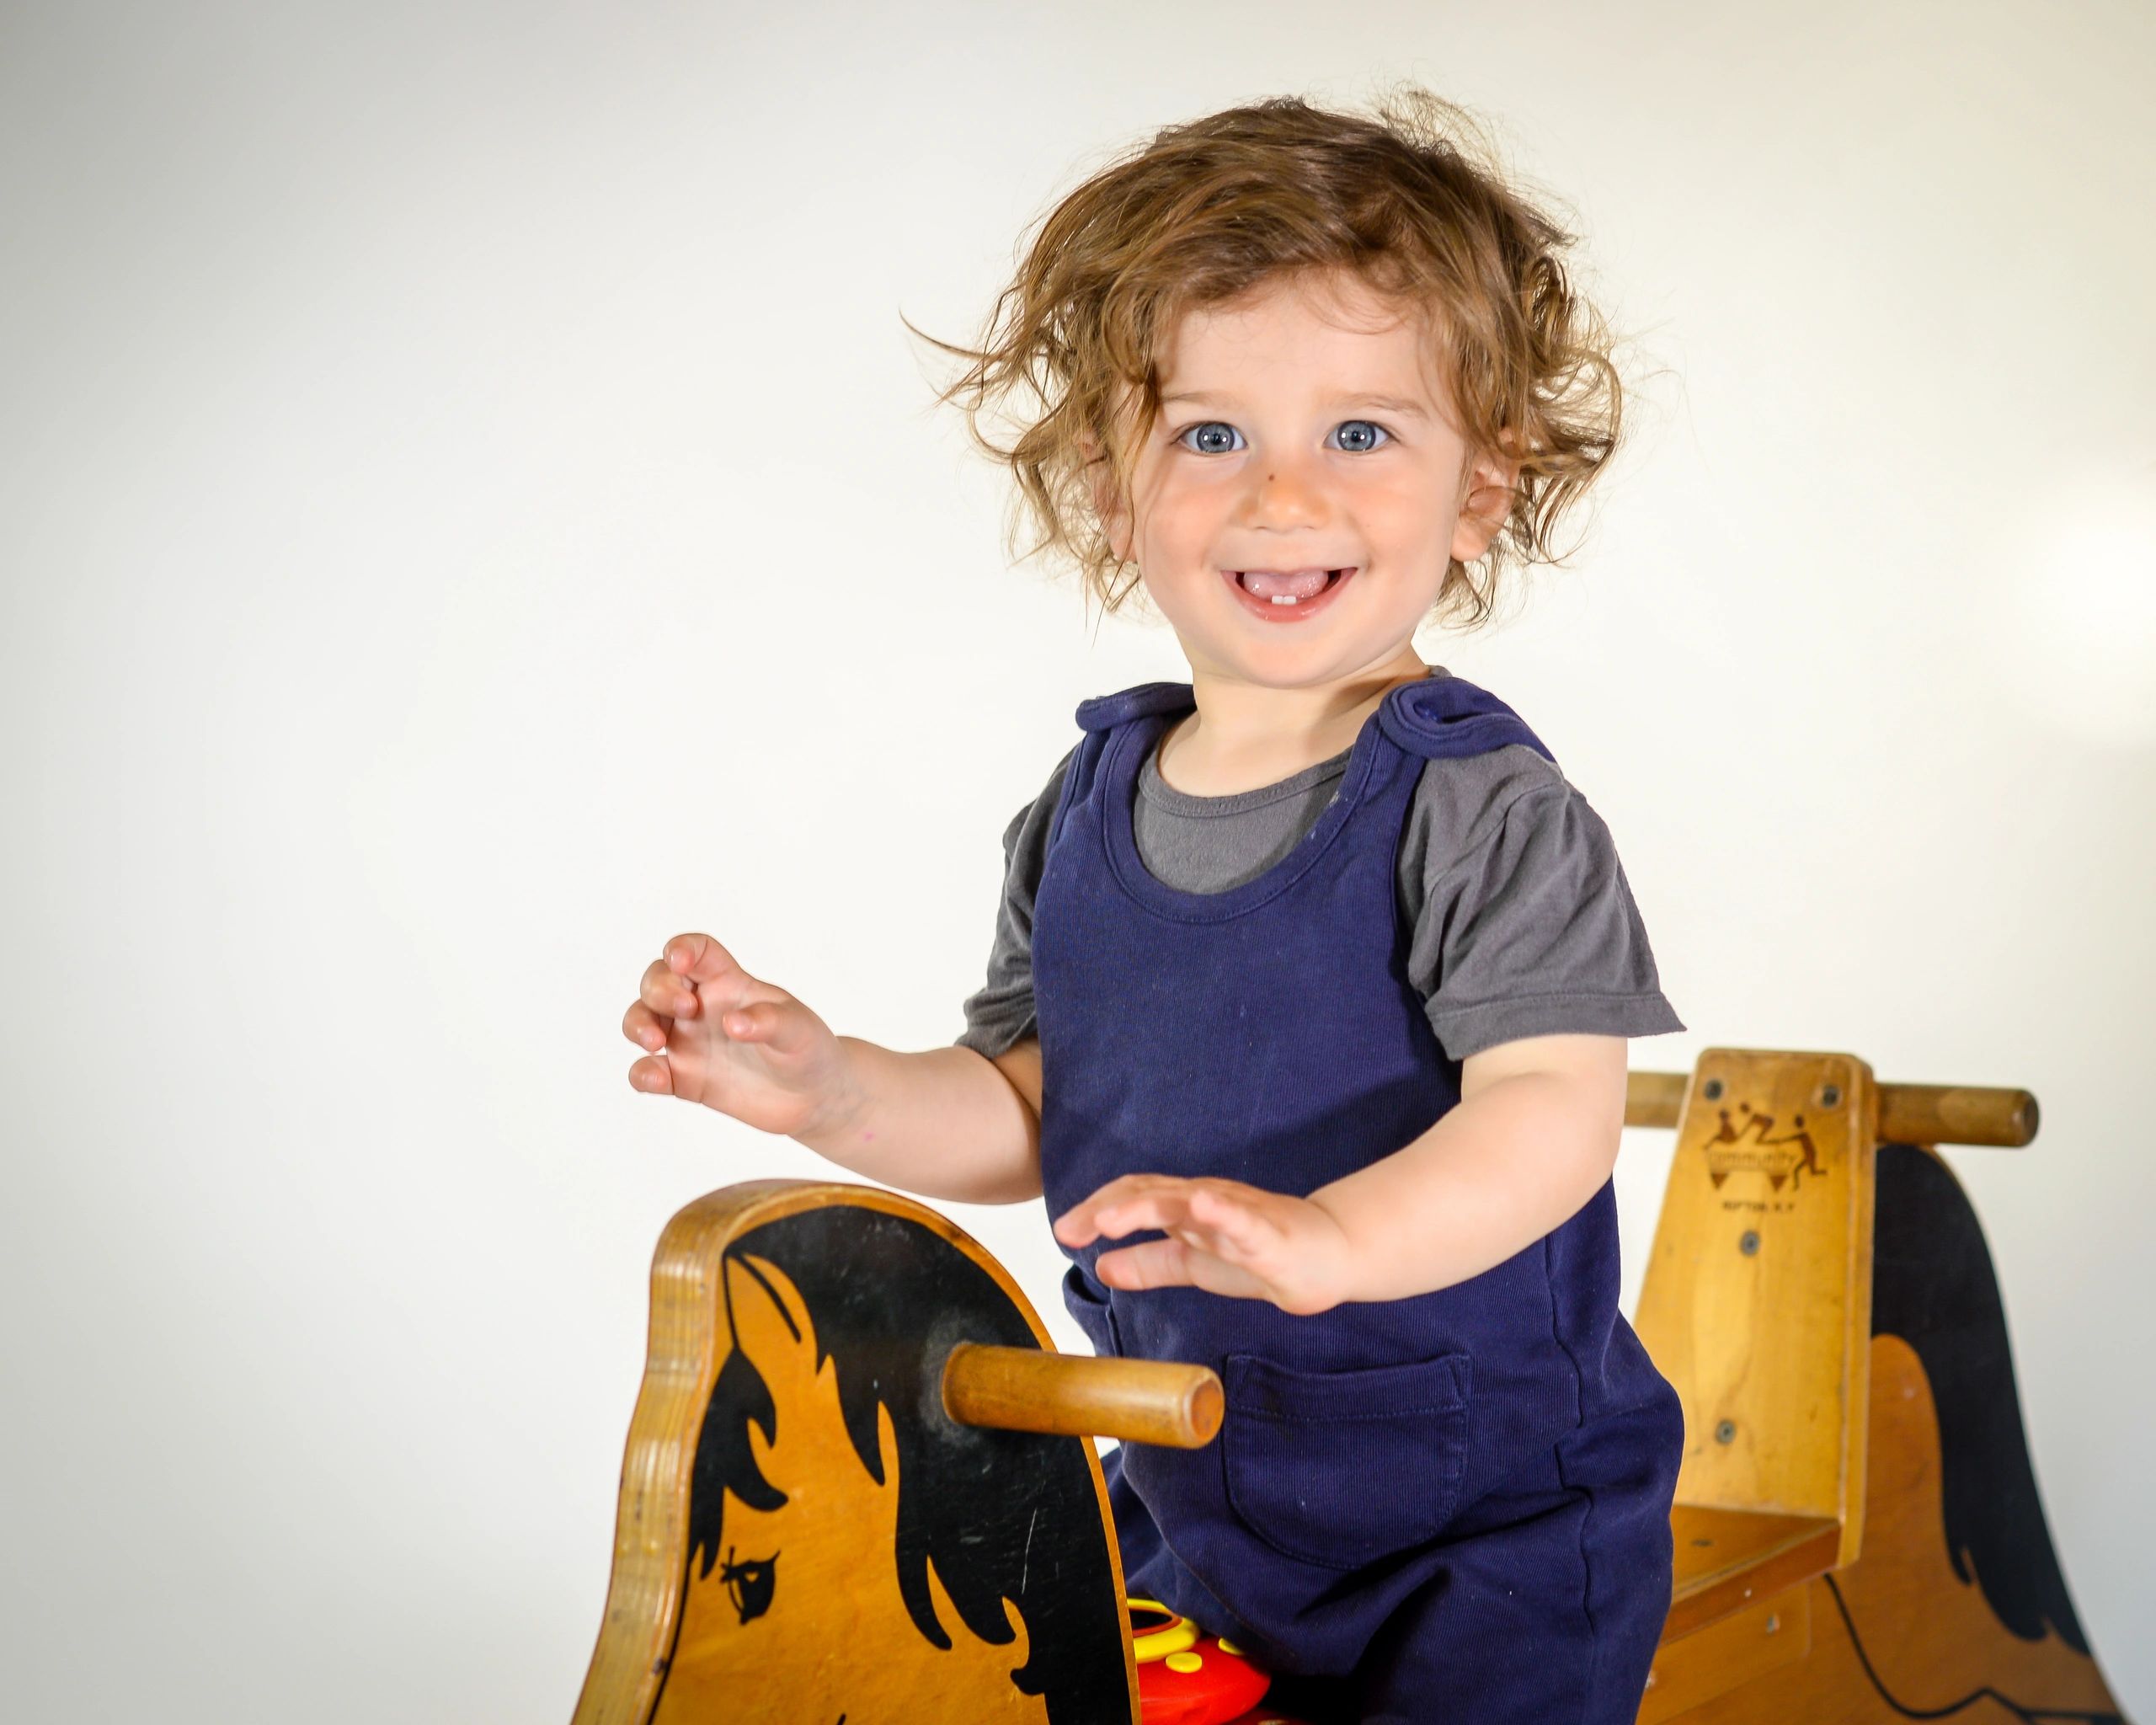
1411,202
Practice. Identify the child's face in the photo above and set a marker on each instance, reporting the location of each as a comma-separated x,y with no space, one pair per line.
1287,464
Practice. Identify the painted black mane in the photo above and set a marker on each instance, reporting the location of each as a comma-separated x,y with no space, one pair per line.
1932,1285
1002,1513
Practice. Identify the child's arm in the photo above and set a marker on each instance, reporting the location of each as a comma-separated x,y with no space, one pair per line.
945,1123
1533,1137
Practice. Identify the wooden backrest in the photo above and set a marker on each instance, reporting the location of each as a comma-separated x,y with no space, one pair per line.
1756,1302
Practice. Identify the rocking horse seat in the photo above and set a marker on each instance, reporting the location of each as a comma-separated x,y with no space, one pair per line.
1728,1559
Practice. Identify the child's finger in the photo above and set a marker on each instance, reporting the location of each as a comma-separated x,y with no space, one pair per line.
1174,1264
1157,1263
1080,1225
1241,1230
697,957
783,1026
644,1027
1166,1210
1120,1208
667,993
652,1075
1218,1214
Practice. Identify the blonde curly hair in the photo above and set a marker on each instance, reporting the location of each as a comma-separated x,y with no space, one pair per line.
1410,201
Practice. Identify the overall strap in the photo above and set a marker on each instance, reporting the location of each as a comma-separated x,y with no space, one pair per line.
1097,719
1445,719
1434,718
1105,711
1439,718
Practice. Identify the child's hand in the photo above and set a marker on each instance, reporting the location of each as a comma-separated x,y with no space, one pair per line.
1223,1236
720,1036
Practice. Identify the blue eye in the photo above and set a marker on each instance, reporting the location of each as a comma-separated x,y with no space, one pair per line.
1369,426
1208,426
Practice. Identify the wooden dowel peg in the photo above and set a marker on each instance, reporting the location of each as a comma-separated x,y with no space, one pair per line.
1908,1113
1030,1389
1654,1098
1955,1114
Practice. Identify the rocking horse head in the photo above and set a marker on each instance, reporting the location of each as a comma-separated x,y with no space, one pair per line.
850,1551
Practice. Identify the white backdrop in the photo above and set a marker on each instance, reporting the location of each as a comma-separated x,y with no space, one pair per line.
470,511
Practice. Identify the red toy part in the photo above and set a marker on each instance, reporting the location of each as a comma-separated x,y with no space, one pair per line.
1186,1677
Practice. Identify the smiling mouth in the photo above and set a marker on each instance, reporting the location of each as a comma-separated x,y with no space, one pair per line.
1285,595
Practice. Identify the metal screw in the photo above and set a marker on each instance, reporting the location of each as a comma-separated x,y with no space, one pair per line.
1830,1095
1725,1433
1749,1244
1711,1090
1774,1622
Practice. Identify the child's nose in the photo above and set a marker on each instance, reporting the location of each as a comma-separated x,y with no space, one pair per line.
1286,493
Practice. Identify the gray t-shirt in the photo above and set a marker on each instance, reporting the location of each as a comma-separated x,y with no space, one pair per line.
1520,921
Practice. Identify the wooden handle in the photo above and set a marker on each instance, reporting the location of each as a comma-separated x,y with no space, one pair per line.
1908,1113
1030,1389
1654,1098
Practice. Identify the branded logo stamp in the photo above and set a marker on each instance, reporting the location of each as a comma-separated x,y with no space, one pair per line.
1752,1148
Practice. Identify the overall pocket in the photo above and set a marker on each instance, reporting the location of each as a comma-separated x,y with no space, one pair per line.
1096,1318
1341,1468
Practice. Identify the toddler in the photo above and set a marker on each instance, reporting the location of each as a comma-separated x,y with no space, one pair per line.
1307,1005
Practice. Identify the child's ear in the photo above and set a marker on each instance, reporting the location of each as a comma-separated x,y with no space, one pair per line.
1486,500
1107,502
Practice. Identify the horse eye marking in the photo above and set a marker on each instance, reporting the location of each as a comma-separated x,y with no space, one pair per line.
749,1584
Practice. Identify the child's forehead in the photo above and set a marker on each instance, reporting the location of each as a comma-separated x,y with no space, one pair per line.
1353,332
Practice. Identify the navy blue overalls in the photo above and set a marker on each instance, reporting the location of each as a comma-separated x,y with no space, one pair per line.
1456,1504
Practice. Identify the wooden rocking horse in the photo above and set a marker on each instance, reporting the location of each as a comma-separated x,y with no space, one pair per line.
858,1486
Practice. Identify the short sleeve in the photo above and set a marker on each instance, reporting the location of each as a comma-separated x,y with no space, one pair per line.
1000,1013
1525,924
